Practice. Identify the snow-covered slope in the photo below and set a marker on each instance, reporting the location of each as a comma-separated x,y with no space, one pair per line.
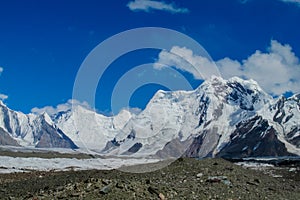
232,117
88,129
178,118
31,130
283,115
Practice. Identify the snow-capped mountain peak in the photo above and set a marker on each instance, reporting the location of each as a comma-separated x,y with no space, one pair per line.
32,130
89,129
210,114
232,117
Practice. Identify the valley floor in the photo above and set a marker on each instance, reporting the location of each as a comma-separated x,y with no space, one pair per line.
183,179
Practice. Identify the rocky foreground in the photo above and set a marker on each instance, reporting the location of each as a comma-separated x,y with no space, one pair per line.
183,179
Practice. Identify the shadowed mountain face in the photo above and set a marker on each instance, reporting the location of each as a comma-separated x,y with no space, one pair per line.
230,118
252,138
5,139
286,114
19,129
50,137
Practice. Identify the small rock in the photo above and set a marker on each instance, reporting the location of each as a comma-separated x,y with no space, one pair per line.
217,179
93,180
62,196
29,195
292,169
199,175
60,188
271,189
229,168
97,185
89,185
161,196
153,190
227,182
87,180
257,180
105,182
252,183
148,181
75,195
119,185
106,189
214,179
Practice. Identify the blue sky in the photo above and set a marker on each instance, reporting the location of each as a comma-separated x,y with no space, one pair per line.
43,44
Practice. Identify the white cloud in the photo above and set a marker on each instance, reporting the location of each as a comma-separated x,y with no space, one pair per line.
277,70
148,5
60,108
184,59
292,1
3,97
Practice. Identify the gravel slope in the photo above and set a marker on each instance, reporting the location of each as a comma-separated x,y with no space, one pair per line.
183,179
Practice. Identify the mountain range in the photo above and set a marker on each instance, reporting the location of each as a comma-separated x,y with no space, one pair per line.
221,118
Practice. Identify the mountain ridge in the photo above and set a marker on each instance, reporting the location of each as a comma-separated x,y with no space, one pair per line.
219,118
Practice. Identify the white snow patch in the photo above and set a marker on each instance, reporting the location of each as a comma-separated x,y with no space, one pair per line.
254,165
18,164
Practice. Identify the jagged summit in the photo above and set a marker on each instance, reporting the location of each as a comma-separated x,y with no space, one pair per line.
32,130
207,116
219,118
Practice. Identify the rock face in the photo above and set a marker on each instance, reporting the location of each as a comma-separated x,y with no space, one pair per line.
18,129
5,139
230,118
286,115
252,138
49,137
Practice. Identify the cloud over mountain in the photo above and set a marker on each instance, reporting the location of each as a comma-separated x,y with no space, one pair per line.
148,5
60,108
2,96
277,70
